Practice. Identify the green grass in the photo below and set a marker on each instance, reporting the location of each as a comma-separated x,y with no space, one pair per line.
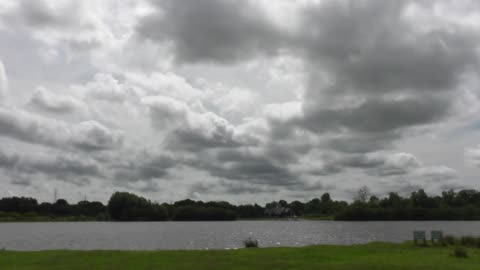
357,257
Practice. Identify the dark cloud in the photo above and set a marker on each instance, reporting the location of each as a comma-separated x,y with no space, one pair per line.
230,187
362,142
25,127
326,169
377,164
397,164
377,115
211,30
68,168
40,13
373,47
92,136
87,136
47,14
251,167
196,140
145,166
374,74
439,174
8,161
63,167
361,161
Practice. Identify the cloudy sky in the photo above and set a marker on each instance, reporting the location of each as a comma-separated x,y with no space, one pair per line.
239,100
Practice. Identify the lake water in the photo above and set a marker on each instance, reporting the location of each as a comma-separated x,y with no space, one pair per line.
212,235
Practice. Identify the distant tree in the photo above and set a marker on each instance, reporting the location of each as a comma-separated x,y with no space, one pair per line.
363,194
313,206
297,208
326,204
18,204
283,203
420,199
124,206
467,197
374,201
45,209
393,201
448,198
192,213
249,211
186,202
62,208
90,209
326,198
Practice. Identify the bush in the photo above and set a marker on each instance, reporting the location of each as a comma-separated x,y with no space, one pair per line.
450,240
460,252
468,241
251,243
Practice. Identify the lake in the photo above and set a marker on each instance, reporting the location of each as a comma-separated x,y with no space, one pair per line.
212,235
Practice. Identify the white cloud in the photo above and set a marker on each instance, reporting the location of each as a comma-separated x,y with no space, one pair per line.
44,100
472,155
3,83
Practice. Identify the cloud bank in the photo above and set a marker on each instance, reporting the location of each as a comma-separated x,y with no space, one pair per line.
238,100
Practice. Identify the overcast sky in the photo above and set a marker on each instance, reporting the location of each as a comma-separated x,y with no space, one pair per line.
238,100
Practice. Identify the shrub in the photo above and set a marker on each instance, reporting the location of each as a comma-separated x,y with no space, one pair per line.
468,241
477,240
450,240
460,252
251,243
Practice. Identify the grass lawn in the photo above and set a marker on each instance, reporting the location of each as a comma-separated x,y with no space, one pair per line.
356,257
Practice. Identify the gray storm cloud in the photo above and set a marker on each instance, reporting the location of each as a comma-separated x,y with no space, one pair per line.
212,30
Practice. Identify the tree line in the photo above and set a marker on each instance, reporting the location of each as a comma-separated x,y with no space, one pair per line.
124,206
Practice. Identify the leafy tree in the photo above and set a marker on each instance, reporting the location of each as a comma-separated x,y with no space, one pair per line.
193,213
297,207
362,194
124,206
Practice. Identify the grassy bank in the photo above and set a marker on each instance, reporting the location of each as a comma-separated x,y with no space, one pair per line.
356,257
